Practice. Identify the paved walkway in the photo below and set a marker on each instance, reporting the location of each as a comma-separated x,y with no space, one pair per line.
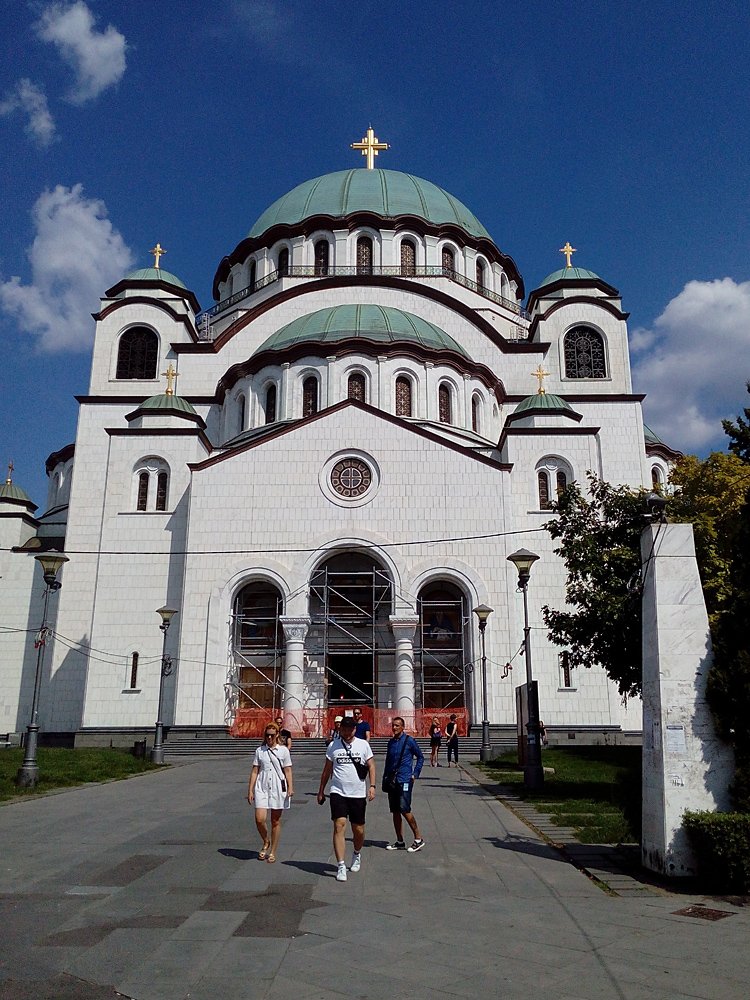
151,889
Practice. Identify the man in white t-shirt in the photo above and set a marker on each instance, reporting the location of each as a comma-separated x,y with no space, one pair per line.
346,757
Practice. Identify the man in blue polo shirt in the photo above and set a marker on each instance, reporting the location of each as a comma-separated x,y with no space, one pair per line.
399,765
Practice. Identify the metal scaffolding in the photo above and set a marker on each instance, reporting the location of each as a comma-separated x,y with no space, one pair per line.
440,654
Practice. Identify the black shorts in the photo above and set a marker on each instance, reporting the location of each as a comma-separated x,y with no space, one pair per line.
346,808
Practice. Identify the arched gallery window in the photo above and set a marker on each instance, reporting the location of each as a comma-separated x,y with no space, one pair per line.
584,353
252,276
283,266
408,257
403,396
364,255
162,484
476,410
481,273
657,481
269,406
445,404
309,396
322,251
137,353
356,386
142,501
241,407
258,637
448,259
553,477
151,485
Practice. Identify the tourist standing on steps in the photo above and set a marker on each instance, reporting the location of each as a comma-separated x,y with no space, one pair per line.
363,726
451,734
399,775
270,788
436,738
285,737
350,766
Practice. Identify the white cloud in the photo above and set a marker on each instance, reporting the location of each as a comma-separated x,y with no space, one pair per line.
76,255
694,363
97,57
31,99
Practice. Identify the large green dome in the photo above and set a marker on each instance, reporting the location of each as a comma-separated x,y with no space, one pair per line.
385,192
382,324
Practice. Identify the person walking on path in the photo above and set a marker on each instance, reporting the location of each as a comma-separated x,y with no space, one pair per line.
363,726
451,734
270,788
399,775
436,738
350,766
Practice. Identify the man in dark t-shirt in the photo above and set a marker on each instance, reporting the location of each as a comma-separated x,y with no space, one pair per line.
362,731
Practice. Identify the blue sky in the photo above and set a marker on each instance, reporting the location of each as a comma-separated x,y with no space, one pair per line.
620,127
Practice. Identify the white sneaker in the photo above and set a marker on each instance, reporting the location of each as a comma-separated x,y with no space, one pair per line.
341,873
398,845
416,846
356,862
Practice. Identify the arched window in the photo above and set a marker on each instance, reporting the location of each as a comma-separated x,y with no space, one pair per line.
269,407
561,482
309,396
252,276
283,265
364,255
449,262
322,250
408,257
240,414
481,272
134,670
656,479
443,647
258,637
445,405
357,387
584,353
403,396
162,482
543,482
476,409
137,353
142,502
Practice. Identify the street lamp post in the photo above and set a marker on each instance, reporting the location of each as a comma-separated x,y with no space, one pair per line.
28,773
483,613
533,772
167,614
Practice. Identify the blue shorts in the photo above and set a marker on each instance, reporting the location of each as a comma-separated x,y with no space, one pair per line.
399,801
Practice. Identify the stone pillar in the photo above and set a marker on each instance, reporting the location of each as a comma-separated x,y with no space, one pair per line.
430,407
685,765
284,405
295,633
382,392
330,382
404,627
467,401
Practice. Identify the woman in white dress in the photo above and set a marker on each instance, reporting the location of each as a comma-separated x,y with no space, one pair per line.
270,789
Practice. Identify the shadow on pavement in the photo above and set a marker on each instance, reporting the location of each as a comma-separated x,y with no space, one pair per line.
519,845
239,854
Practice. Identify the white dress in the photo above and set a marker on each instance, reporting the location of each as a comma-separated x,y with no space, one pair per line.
271,763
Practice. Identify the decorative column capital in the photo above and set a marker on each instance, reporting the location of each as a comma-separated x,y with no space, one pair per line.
404,627
295,628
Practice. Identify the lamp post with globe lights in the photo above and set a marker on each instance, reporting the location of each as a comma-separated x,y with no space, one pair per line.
533,772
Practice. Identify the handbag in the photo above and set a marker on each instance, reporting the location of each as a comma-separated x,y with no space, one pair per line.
390,781
280,771
362,769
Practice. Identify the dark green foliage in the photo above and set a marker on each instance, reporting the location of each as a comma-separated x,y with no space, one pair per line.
739,434
600,545
721,842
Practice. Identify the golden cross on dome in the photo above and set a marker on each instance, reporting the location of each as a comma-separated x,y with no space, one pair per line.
370,147
158,252
568,250
9,480
541,374
170,374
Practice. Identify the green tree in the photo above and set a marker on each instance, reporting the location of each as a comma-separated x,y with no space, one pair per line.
738,432
600,544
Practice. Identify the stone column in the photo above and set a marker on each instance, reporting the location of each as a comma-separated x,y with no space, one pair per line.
295,633
283,405
330,382
404,627
382,390
467,402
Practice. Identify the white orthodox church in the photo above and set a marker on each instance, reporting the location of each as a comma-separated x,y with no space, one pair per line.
323,474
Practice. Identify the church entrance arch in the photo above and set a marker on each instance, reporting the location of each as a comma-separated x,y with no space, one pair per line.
258,646
351,599
441,644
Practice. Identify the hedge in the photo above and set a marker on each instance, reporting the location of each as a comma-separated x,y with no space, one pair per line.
721,842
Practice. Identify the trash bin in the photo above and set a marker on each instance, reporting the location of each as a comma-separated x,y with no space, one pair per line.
139,748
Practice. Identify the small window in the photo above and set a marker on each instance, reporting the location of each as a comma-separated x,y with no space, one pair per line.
283,266
561,482
543,483
449,262
656,479
476,408
553,476
134,670
408,258
445,405
364,255
142,503
162,482
357,386
269,407
252,276
566,671
240,414
322,250
137,354
403,397
584,353
309,396
481,272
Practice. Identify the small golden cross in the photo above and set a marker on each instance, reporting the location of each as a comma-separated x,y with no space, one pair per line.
9,480
370,146
171,374
568,250
541,374
157,252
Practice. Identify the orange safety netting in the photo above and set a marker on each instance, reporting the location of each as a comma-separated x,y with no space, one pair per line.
249,723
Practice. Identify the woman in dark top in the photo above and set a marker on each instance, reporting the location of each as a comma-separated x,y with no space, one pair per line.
436,738
285,737
451,734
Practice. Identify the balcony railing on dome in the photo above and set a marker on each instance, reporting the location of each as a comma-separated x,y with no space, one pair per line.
204,319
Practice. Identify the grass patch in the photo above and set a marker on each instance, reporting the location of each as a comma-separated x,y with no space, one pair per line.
61,768
594,790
